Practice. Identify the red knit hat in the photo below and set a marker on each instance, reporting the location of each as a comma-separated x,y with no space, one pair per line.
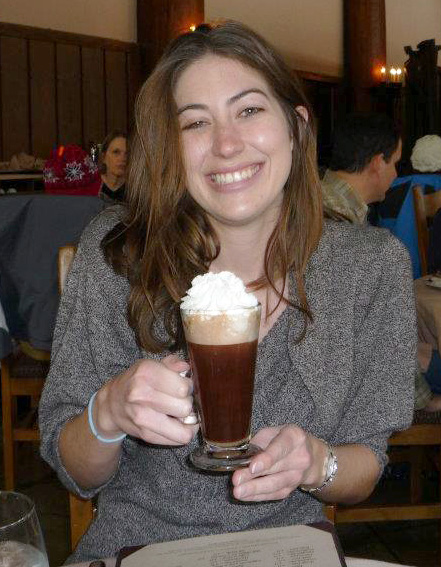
71,171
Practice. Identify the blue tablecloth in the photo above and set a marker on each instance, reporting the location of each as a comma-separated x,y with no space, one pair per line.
401,222
32,228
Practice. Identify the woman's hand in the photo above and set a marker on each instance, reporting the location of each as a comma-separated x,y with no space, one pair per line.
148,401
290,457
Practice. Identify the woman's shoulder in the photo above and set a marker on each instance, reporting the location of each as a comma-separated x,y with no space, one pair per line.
89,252
365,242
100,225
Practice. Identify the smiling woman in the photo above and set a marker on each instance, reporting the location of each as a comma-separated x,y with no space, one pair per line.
223,177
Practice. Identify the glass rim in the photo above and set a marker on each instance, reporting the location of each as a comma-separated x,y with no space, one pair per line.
26,515
221,311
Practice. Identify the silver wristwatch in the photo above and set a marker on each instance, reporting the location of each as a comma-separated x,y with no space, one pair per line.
330,467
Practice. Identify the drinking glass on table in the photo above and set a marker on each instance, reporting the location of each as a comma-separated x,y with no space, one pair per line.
21,538
222,346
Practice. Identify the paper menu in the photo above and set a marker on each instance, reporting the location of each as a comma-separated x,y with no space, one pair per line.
291,546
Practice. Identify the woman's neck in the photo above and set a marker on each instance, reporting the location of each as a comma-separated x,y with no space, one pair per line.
113,182
242,250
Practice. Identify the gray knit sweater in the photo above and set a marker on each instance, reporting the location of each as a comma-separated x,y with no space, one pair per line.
350,380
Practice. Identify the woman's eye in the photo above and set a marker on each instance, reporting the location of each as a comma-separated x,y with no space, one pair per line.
194,125
250,111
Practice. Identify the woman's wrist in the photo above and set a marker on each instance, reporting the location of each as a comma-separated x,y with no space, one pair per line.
99,418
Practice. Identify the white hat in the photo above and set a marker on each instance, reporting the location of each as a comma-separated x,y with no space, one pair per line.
426,154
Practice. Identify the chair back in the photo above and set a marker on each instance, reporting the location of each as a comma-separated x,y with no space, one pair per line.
65,257
426,206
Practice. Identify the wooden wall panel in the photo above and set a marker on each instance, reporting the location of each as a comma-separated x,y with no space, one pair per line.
69,94
15,127
116,90
94,101
43,99
135,81
62,88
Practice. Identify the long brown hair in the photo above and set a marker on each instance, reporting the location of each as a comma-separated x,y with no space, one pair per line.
166,238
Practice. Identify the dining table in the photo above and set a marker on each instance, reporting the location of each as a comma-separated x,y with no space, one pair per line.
33,226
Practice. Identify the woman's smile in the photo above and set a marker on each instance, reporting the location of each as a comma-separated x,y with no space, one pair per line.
233,177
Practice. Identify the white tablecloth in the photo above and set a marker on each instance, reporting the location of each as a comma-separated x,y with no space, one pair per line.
428,305
350,561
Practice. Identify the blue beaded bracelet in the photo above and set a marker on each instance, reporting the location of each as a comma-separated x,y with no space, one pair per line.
93,428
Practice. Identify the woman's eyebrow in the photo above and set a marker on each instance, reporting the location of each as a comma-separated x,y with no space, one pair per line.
232,100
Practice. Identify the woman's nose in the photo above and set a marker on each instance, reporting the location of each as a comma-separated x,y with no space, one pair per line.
227,141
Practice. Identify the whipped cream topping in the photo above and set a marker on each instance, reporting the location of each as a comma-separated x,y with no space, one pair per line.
217,292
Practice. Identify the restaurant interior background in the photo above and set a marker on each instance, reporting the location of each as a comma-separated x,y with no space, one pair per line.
69,73
62,82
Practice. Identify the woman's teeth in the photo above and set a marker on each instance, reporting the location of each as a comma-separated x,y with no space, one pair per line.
235,176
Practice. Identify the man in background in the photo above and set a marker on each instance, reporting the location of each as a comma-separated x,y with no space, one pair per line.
365,153
366,150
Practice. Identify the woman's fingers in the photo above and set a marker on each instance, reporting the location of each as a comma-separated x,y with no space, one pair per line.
154,384
151,401
160,428
278,469
284,448
271,487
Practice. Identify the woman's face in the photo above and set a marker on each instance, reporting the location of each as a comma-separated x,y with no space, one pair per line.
115,158
236,141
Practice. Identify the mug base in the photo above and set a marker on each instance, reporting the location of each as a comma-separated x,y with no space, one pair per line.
224,460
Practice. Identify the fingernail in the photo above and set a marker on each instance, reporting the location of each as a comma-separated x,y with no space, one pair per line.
240,491
191,419
256,468
187,374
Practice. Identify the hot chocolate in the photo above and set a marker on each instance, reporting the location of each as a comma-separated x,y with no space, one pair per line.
221,324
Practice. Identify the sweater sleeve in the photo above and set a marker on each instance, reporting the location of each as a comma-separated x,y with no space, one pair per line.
92,343
384,351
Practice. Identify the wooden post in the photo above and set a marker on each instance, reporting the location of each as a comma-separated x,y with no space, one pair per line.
364,50
159,21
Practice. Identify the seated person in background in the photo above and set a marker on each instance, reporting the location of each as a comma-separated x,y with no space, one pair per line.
113,162
396,212
223,176
426,159
426,155
366,148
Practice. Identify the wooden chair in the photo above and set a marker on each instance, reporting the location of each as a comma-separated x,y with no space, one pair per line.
23,373
425,207
81,511
411,444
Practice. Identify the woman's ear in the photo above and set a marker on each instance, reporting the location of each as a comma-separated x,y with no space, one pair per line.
303,112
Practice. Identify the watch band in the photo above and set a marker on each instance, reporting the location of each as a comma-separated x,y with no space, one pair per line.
330,467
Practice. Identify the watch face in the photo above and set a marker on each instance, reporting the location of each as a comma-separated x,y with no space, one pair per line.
332,466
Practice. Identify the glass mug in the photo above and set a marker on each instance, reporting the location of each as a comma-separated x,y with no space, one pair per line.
222,347
21,538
